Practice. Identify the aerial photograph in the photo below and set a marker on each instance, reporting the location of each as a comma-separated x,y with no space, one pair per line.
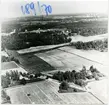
54,52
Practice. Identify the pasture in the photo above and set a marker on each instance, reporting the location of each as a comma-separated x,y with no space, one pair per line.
46,92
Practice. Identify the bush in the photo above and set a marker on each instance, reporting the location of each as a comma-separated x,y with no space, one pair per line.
14,59
90,77
24,74
14,75
10,78
8,98
64,86
80,82
8,59
5,81
31,76
23,81
5,59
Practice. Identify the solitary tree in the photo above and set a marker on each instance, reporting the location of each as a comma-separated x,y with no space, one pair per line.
64,86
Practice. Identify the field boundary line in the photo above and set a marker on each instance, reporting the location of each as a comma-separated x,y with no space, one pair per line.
97,98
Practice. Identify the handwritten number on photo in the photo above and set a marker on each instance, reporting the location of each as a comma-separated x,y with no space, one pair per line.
31,8
22,9
48,9
27,8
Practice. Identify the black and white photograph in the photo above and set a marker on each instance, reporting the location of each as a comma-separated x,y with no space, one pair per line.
54,52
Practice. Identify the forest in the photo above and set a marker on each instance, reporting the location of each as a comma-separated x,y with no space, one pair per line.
85,28
26,40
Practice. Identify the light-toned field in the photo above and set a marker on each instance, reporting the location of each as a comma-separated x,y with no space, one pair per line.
72,59
99,89
61,59
89,38
94,55
8,65
98,59
68,58
46,92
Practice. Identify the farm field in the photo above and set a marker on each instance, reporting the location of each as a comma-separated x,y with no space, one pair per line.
40,94
68,58
8,65
98,59
101,89
88,38
44,45
94,55
31,63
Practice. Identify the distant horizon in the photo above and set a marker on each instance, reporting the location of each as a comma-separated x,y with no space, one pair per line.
69,14
13,9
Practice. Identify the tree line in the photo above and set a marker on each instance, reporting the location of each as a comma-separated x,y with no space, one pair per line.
100,45
13,78
26,40
78,77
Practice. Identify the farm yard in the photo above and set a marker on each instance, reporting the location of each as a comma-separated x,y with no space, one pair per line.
40,94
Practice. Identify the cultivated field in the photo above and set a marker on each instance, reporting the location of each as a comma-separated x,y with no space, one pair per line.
8,65
68,58
39,44
46,92
88,38
101,89
61,59
93,55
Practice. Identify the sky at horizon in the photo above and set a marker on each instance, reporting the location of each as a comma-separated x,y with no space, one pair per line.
13,9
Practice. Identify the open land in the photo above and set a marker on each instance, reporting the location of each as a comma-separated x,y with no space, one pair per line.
47,56
46,92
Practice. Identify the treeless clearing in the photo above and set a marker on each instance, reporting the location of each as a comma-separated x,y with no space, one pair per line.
46,92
